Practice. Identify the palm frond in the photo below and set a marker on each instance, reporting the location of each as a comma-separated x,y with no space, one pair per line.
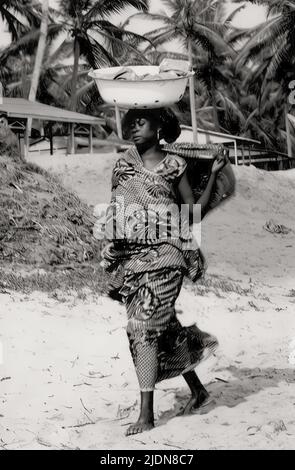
149,16
118,31
63,51
266,36
234,13
106,8
96,55
230,107
117,46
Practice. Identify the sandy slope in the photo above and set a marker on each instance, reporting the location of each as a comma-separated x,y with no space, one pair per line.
67,380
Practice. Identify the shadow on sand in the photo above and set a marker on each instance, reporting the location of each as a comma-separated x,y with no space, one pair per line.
245,382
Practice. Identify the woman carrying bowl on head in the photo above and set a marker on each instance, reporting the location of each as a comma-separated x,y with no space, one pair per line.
147,259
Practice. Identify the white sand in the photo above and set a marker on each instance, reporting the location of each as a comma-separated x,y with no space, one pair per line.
67,380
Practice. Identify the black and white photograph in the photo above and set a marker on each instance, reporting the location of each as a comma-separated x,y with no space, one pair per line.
147,227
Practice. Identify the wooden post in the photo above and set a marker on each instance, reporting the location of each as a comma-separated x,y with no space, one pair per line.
72,138
236,152
42,132
26,140
287,123
243,155
118,122
51,139
249,155
22,146
192,94
90,139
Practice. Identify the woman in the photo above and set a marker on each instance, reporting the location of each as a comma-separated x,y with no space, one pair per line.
148,257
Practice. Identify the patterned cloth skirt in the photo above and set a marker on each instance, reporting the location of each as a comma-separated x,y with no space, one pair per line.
161,347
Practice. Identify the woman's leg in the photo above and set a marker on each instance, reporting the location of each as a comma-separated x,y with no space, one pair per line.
199,393
146,364
146,417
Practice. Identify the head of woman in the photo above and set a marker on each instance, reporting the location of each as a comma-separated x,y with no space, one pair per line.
146,127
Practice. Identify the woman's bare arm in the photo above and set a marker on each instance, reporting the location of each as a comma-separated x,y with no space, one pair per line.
188,197
187,194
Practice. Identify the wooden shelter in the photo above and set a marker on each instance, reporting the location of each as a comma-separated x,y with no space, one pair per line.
19,110
213,137
242,150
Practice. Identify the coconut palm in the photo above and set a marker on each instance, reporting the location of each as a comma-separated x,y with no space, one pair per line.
264,105
190,21
273,46
39,57
214,66
274,38
19,16
17,66
40,50
94,36
23,48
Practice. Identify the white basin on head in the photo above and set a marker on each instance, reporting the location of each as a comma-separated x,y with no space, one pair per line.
139,93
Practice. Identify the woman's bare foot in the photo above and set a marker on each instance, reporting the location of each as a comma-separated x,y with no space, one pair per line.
198,391
196,401
145,421
140,426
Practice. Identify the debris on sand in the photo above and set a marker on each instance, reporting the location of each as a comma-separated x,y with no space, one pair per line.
272,227
42,223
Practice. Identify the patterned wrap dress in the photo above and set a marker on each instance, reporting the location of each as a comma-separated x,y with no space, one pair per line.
146,266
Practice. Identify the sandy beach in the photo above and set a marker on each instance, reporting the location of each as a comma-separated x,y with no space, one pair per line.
66,375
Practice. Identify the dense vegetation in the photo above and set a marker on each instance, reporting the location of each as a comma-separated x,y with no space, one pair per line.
242,76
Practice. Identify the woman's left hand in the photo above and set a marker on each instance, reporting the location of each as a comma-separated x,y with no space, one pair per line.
219,163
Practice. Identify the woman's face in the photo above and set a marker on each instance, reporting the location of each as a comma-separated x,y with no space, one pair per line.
142,131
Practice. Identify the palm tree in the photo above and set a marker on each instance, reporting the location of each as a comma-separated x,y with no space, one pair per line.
215,66
17,63
189,21
40,50
39,57
273,46
94,36
19,16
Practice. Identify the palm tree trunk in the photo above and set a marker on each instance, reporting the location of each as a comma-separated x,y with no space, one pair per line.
214,107
75,75
212,93
73,103
39,58
192,94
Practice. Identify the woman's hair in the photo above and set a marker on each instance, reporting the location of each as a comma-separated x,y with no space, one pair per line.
164,118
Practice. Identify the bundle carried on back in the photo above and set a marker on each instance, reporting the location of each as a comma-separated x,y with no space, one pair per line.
199,159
